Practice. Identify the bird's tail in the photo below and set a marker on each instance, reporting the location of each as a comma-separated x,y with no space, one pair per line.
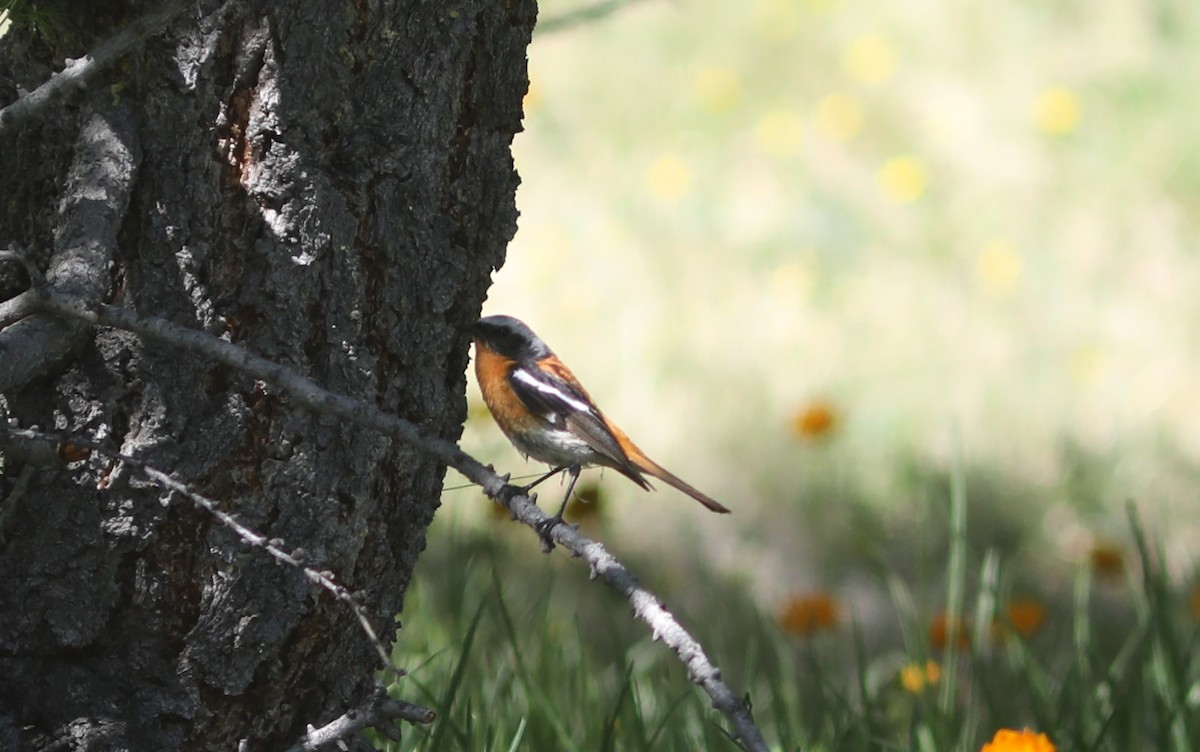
649,467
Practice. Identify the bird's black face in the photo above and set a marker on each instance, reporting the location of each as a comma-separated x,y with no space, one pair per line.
510,338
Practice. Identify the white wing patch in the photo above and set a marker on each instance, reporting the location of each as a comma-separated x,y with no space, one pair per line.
525,377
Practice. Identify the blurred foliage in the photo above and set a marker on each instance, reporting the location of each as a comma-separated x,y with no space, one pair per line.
911,289
516,650
805,250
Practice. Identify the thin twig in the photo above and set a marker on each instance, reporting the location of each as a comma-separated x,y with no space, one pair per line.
304,391
377,711
321,578
95,198
15,309
647,607
79,71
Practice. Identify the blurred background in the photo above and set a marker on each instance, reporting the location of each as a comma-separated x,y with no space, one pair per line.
838,263
809,252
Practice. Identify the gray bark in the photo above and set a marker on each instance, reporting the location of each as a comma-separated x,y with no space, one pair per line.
329,185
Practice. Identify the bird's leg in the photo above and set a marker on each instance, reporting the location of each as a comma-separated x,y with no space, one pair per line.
546,526
574,472
547,476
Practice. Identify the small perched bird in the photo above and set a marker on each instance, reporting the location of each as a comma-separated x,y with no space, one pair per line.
547,414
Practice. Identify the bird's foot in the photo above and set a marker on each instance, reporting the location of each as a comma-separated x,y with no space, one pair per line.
546,527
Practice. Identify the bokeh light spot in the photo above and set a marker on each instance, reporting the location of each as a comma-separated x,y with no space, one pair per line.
904,179
869,59
669,178
1057,111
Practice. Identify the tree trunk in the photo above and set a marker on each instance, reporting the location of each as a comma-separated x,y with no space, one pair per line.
329,185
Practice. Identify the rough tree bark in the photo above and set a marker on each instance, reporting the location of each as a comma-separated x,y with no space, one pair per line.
329,184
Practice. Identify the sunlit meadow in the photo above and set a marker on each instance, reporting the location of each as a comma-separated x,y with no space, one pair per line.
914,288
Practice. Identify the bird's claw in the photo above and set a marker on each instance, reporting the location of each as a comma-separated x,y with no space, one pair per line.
546,527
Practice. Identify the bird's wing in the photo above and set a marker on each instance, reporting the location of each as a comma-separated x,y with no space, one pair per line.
555,396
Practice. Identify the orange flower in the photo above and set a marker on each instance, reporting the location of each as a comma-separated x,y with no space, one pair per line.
1108,560
940,628
1007,740
815,420
1022,615
806,615
1195,602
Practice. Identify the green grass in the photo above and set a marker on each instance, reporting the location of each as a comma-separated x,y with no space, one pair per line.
520,651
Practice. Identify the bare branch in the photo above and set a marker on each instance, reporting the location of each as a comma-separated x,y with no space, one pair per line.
79,71
377,712
647,607
47,445
304,391
15,309
99,184
18,255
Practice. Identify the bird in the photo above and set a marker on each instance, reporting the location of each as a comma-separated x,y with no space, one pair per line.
547,414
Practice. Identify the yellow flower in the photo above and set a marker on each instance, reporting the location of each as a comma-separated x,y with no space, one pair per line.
717,90
1007,740
1057,111
1194,602
903,179
915,677
998,268
669,178
869,59
806,615
779,133
815,420
840,116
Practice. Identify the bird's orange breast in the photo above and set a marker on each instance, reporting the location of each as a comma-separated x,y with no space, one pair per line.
492,370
